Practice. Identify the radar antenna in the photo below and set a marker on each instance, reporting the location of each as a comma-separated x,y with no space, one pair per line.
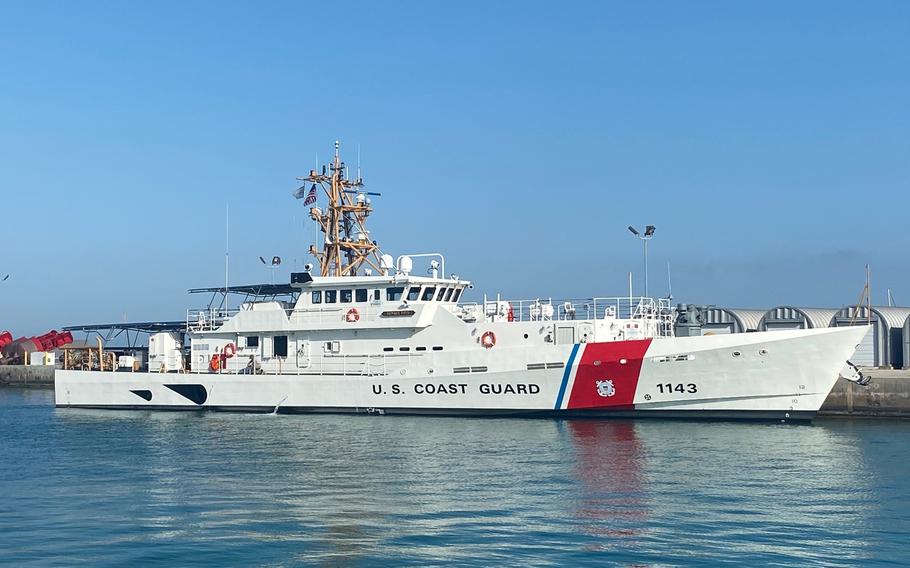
346,245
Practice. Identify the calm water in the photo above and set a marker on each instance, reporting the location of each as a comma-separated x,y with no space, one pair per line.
168,489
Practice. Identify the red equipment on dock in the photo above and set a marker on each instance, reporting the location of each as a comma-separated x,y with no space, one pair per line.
13,351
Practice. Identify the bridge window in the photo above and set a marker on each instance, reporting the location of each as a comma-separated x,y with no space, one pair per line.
280,346
347,296
361,294
457,295
394,294
317,296
252,341
428,293
441,293
413,293
449,294
331,296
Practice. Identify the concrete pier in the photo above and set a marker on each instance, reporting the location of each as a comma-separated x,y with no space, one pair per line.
27,376
886,396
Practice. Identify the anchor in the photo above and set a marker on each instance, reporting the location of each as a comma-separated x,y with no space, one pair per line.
854,375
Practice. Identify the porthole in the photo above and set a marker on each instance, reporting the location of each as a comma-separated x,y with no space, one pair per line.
526,336
736,353
762,352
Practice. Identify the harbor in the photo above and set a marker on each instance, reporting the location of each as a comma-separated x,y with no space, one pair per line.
486,284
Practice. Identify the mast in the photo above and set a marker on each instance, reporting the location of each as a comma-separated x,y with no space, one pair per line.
346,246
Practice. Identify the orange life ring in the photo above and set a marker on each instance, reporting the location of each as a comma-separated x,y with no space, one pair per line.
229,350
352,316
215,363
488,340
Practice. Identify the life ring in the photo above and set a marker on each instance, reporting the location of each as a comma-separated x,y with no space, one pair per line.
215,362
229,350
352,316
488,340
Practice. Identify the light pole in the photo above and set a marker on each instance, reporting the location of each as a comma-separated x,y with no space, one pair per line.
649,234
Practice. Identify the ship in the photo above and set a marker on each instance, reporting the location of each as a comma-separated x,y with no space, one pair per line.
360,331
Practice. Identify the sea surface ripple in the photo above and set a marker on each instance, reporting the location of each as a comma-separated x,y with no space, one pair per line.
102,488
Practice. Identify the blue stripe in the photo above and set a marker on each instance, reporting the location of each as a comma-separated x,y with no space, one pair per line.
565,377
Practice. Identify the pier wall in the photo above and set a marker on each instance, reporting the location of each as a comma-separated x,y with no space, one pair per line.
26,375
887,395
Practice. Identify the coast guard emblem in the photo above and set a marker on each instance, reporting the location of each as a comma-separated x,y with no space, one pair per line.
605,388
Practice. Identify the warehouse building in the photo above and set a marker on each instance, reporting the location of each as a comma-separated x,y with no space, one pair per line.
884,346
729,320
792,317
907,343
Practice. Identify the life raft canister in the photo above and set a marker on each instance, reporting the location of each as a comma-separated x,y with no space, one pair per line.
229,350
352,316
215,362
488,339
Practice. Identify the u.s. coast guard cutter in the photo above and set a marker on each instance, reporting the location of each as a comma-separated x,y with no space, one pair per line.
364,334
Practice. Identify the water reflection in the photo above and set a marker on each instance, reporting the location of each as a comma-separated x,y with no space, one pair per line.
147,488
609,465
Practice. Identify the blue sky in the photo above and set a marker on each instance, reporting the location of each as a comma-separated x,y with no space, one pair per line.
769,142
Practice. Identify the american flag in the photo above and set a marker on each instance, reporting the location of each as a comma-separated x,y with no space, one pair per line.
310,197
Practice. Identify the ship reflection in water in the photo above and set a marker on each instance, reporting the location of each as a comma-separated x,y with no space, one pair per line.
611,501
133,488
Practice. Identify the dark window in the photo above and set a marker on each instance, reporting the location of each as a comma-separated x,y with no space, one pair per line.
317,296
388,349
361,294
331,296
377,295
347,296
413,293
428,293
421,348
442,292
404,348
281,345
394,294
457,294
449,294
252,341
437,348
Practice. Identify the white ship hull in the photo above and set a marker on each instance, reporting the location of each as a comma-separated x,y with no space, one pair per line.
781,375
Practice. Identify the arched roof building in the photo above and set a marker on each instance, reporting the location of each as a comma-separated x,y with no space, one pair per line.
792,317
729,320
884,346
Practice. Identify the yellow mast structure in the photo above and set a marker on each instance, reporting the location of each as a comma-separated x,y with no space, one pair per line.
347,246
